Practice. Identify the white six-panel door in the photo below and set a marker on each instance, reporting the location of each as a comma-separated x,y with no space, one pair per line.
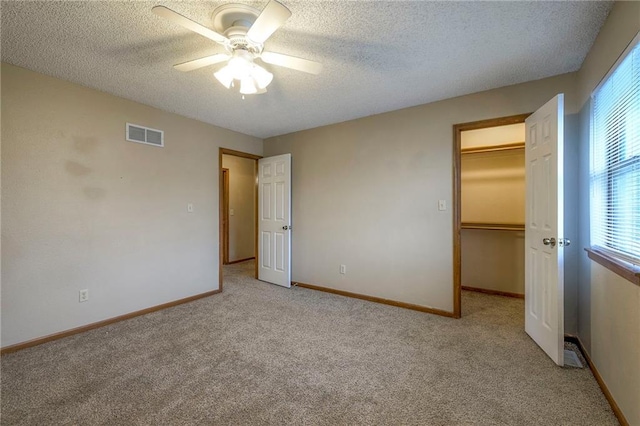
544,270
274,219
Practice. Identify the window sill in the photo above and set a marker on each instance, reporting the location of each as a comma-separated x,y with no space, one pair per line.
624,269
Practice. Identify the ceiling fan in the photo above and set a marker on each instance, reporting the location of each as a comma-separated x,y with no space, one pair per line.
242,30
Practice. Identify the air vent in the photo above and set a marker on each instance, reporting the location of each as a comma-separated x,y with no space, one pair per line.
145,135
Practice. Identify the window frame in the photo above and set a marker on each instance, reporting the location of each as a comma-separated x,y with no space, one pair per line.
604,257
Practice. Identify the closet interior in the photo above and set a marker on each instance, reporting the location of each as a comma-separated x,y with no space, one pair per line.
493,209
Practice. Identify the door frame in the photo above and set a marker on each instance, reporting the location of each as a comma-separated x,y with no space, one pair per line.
457,196
225,216
255,158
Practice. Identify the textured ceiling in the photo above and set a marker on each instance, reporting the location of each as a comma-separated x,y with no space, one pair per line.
377,56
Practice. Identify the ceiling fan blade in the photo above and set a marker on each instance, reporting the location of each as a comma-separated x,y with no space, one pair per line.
187,23
202,62
272,17
292,62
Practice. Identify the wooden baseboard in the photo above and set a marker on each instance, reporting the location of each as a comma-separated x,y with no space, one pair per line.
494,292
612,402
377,300
241,260
82,329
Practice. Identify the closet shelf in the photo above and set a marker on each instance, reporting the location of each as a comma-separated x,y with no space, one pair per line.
493,226
505,147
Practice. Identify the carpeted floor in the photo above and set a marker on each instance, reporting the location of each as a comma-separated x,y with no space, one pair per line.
264,355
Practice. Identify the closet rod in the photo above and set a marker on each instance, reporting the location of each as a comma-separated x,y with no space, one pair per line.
505,147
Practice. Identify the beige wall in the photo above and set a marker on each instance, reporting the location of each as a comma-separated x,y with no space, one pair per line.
609,306
365,194
242,184
493,187
493,260
615,337
82,208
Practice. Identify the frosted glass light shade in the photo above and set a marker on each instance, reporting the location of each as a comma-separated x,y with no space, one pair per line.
262,76
252,77
224,76
248,86
240,67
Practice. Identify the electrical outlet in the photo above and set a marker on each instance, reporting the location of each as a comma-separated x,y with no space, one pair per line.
190,207
83,295
343,269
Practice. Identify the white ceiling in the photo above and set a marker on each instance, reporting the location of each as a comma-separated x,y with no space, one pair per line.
377,56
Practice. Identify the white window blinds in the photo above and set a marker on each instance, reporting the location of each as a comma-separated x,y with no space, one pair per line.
615,161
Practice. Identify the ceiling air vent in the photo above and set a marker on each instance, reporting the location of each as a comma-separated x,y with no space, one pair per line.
144,135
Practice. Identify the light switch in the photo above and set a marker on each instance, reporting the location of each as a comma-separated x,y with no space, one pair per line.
442,205
231,212
190,207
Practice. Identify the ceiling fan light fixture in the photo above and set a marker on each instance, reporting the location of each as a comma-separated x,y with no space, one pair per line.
224,76
241,64
252,77
245,30
262,77
248,86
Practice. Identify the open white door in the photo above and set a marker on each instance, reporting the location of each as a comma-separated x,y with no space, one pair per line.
544,264
274,219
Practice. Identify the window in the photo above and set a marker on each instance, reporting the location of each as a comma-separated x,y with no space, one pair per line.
615,161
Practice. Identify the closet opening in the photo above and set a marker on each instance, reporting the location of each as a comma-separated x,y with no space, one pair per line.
489,208
238,217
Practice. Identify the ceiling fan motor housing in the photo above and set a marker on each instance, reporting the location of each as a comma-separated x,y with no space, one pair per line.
237,36
234,20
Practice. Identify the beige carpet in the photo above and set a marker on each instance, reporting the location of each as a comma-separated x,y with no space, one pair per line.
264,355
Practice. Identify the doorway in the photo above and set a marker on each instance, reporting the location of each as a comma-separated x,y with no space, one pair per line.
544,224
489,224
238,201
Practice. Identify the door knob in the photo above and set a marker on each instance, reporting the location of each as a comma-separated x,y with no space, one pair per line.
549,242
286,227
